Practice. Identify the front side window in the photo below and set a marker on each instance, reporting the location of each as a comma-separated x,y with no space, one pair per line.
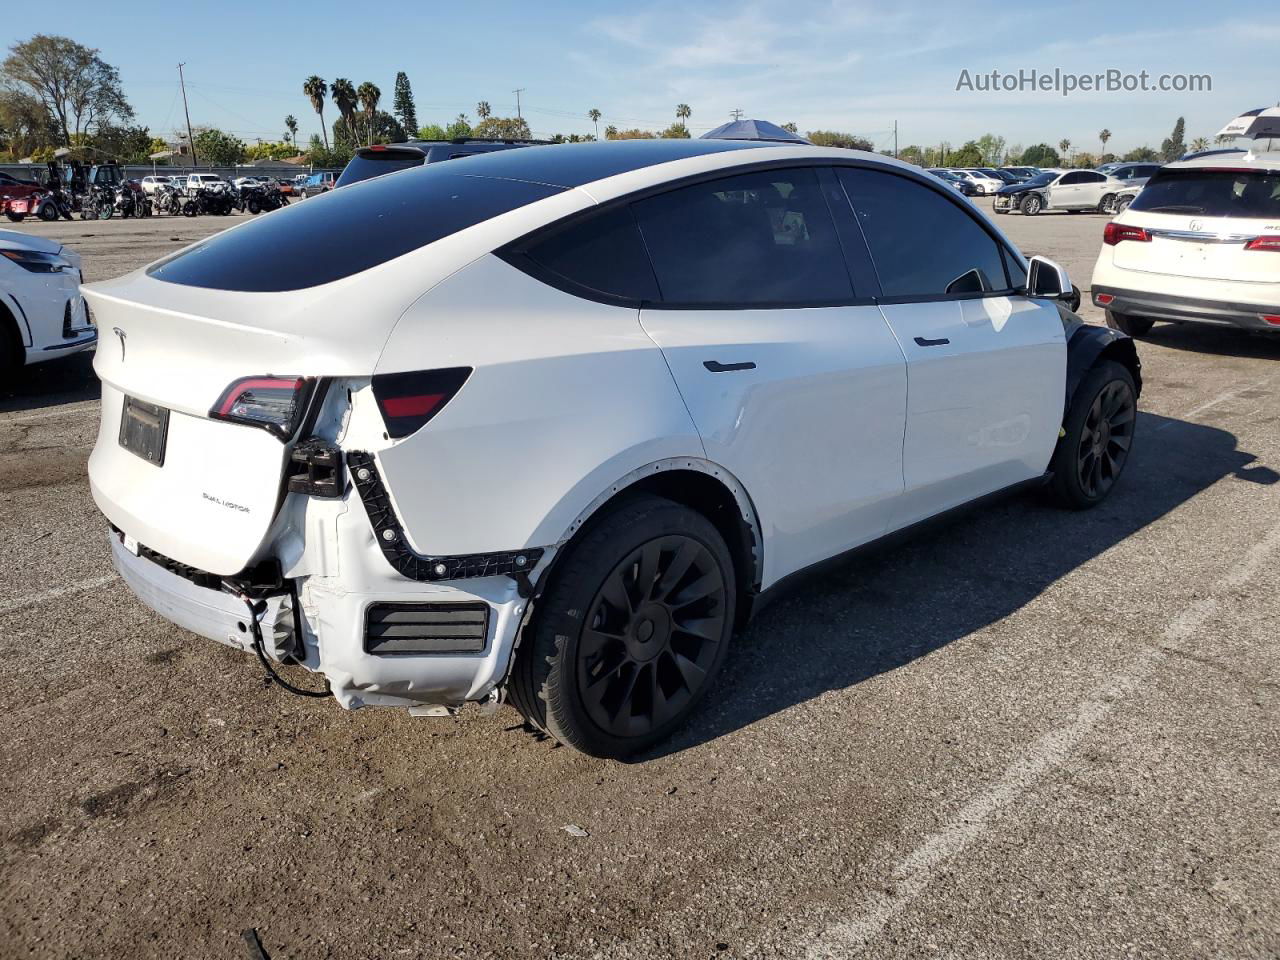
757,239
923,245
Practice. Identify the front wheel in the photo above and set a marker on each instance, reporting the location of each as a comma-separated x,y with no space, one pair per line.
48,213
1122,204
1128,324
631,632
1097,437
1032,205
255,207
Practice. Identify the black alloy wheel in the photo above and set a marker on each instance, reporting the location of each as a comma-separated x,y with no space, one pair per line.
651,636
1106,438
1097,436
631,630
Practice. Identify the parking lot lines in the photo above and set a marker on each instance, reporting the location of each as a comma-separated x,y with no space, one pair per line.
57,593
913,874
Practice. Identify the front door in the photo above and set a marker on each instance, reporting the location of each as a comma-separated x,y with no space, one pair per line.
985,365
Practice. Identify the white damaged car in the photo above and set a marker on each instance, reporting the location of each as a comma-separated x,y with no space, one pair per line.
42,315
545,425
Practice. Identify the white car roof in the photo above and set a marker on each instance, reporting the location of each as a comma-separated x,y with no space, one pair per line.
1249,161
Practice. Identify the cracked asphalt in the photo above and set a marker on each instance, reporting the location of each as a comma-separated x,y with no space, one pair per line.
1028,733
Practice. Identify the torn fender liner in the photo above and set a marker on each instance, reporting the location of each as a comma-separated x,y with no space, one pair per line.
415,566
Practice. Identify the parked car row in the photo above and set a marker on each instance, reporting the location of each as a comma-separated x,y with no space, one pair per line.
1074,190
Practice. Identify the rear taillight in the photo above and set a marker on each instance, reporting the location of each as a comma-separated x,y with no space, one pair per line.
1270,244
1114,233
273,403
409,400
1271,319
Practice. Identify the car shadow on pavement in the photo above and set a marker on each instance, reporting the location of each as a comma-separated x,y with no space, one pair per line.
1214,341
891,605
51,384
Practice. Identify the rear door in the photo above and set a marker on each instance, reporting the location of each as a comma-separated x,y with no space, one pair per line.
791,374
986,366
1067,192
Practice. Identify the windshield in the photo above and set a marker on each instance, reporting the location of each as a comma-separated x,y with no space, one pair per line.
1213,193
1040,180
368,164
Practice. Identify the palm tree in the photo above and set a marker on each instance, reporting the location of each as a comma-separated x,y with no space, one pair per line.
344,98
683,113
595,116
483,110
369,95
1104,135
610,132
1065,146
291,124
1200,143
313,87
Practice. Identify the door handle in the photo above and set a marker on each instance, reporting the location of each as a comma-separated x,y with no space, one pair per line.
924,342
715,366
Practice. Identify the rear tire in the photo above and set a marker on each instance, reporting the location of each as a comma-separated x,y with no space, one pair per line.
13,217
1128,324
48,213
1122,204
1098,437
630,634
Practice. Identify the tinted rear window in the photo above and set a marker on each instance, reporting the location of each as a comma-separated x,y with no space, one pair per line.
759,239
374,163
603,253
1212,193
346,231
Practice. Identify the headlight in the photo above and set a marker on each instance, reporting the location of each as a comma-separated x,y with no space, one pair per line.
36,261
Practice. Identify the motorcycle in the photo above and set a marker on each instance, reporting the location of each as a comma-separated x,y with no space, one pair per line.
131,203
18,208
207,201
259,199
52,205
99,203
166,200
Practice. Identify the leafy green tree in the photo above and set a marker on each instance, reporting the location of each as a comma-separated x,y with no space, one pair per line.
368,94
992,149
832,138
1174,146
912,154
792,127
1141,155
970,155
123,144
677,131
1084,161
594,116
402,106
432,131
1200,143
291,125
318,155
483,110
1039,155
314,88
611,132
25,125
460,127
502,128
77,87
343,92
633,134
218,148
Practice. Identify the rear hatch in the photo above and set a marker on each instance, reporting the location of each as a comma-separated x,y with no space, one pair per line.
1206,224
200,490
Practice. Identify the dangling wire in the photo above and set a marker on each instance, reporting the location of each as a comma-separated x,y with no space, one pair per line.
257,608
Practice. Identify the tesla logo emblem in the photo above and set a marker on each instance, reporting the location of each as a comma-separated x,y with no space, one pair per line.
1196,224
121,334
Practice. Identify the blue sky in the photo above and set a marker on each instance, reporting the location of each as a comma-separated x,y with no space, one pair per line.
855,66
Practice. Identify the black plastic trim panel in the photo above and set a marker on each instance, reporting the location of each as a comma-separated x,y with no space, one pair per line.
395,547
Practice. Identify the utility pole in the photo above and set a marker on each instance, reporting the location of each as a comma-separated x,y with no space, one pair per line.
517,93
736,113
190,139
895,139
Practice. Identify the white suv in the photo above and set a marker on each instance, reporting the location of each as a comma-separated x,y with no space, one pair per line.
1199,244
566,414
42,315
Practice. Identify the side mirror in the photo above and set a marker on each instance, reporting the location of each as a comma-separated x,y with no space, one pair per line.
1046,279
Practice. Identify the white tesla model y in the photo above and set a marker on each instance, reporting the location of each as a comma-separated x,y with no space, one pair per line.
544,425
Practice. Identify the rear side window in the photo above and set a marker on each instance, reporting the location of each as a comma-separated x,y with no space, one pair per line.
367,164
343,232
923,244
1212,193
602,254
757,239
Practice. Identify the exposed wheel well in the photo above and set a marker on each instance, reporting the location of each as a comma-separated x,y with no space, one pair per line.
712,498
11,349
1125,353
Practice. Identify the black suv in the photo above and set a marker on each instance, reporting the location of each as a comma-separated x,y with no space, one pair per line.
381,158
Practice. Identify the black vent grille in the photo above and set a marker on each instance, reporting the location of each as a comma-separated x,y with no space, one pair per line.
409,628
67,331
